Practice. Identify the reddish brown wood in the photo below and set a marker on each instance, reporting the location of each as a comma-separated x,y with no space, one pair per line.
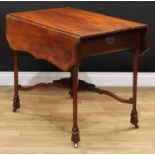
71,83
64,36
43,43
75,130
100,45
16,100
54,34
77,22
82,86
27,88
134,113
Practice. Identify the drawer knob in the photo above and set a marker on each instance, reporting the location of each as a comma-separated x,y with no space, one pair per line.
109,40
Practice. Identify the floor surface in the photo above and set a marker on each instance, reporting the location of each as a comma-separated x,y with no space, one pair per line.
44,122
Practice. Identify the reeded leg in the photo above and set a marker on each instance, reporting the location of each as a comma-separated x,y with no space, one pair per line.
134,113
75,130
71,83
16,101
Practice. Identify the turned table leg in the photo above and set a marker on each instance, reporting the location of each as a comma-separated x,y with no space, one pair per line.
16,101
75,130
134,113
71,83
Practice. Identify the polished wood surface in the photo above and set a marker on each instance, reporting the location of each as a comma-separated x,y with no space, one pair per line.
43,124
42,43
101,45
58,35
64,36
77,22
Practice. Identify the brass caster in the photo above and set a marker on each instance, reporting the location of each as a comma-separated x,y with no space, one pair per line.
76,145
136,126
14,110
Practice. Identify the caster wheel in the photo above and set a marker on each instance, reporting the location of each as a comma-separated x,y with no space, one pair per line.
14,110
75,145
136,126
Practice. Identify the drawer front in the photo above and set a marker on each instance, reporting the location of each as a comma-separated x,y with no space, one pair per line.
107,43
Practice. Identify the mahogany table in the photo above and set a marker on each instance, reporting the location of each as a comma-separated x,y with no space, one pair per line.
65,36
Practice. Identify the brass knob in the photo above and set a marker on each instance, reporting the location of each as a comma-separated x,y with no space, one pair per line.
109,40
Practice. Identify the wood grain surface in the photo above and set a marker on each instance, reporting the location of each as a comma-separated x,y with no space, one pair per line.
63,36
78,22
43,124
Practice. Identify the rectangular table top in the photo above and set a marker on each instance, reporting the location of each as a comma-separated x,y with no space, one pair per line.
77,22
64,36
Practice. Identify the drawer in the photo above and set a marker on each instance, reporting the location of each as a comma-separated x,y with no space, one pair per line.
107,43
